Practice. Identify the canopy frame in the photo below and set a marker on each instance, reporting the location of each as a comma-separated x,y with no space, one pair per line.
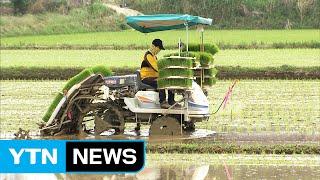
162,22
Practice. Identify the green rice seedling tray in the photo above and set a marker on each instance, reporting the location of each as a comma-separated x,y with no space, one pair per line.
182,72
207,72
209,48
206,59
185,54
195,55
208,81
210,72
103,70
178,62
175,82
52,107
77,79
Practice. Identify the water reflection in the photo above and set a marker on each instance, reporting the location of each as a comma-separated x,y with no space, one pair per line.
204,172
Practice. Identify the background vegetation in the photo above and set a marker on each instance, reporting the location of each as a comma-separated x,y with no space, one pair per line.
29,17
247,14
26,17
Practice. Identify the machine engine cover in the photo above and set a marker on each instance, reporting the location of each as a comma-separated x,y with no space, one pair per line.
120,81
148,99
197,99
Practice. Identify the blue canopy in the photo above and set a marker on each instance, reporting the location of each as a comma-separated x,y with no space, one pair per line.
162,22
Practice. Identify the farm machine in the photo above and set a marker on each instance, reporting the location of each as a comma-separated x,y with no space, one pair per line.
110,102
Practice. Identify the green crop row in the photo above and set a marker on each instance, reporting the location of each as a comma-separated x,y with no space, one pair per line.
133,58
239,39
225,72
223,148
223,46
243,166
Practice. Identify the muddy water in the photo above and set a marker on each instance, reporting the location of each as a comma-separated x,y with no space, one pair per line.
200,134
184,171
128,134
192,173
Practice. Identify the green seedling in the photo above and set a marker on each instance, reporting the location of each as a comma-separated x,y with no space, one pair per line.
167,62
178,82
209,48
187,73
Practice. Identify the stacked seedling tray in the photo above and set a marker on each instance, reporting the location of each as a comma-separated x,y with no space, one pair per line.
175,72
102,70
205,72
203,69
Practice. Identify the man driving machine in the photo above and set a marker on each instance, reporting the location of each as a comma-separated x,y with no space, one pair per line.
149,73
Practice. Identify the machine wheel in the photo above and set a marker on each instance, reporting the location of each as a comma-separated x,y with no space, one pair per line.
105,116
115,119
165,126
189,126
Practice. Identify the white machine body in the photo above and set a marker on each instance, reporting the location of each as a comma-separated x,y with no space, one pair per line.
148,102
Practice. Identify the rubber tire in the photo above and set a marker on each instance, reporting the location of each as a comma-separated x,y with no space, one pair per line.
165,126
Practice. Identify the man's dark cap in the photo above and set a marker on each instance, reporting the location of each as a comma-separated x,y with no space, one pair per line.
158,43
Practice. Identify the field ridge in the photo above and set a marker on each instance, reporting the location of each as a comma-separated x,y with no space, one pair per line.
224,72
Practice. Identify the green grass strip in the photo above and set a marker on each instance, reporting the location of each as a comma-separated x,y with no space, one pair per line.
167,62
221,45
185,83
163,73
225,72
222,148
209,48
52,107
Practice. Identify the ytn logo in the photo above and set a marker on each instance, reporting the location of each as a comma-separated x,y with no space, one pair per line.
32,153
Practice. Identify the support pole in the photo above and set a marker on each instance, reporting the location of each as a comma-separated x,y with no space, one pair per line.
202,45
187,30
179,44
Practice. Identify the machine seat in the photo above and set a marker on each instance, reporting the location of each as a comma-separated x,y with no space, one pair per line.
140,84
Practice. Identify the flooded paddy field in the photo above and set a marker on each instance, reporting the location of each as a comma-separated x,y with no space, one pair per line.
288,108
281,115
